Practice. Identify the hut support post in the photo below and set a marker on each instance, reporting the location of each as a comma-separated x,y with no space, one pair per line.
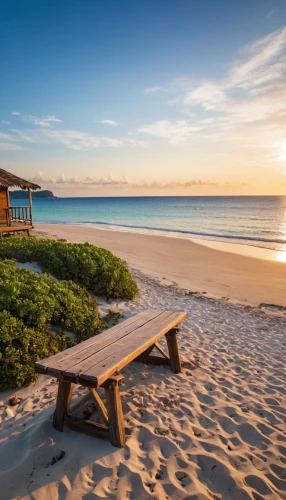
8,197
8,208
31,204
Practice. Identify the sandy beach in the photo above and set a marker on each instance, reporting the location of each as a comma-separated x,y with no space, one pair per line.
187,264
215,431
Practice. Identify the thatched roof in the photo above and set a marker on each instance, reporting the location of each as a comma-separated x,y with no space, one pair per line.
11,180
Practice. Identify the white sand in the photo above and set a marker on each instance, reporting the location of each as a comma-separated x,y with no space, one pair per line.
214,432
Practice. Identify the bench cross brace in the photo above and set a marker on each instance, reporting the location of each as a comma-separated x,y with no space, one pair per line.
112,415
173,360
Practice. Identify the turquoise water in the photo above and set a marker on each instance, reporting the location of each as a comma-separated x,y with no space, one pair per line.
253,220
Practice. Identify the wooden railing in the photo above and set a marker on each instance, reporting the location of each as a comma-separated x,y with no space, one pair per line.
19,214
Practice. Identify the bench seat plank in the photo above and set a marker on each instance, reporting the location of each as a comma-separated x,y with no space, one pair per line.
103,345
123,328
92,362
99,356
125,353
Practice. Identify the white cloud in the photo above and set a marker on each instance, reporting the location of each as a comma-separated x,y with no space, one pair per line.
173,184
21,135
42,121
10,146
136,142
8,141
183,83
261,68
81,181
110,122
270,14
16,136
207,94
152,90
76,139
5,136
247,105
263,60
72,139
175,133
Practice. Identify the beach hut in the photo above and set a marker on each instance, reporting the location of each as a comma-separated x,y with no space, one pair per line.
14,218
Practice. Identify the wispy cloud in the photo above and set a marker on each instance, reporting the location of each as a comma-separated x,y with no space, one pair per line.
80,181
263,61
247,105
5,136
175,133
8,142
42,121
251,93
76,139
110,122
152,90
270,14
72,139
10,146
136,142
21,135
260,70
111,181
173,184
209,95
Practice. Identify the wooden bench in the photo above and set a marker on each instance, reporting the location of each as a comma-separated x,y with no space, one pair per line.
96,363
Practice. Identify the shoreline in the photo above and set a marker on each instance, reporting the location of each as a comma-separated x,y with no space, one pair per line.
256,252
240,246
186,263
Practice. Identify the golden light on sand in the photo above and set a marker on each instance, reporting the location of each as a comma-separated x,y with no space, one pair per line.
281,256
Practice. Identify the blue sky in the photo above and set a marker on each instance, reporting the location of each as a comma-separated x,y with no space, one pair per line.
144,97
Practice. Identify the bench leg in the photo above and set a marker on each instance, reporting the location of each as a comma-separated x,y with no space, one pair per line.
63,404
171,337
114,409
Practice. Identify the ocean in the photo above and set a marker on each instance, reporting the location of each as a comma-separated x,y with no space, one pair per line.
258,221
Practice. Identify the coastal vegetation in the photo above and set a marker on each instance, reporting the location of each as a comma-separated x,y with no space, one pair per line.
97,269
40,316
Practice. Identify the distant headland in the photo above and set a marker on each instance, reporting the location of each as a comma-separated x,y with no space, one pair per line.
19,195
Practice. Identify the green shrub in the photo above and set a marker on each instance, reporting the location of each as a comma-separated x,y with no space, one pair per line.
40,302
95,268
21,346
31,307
36,310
